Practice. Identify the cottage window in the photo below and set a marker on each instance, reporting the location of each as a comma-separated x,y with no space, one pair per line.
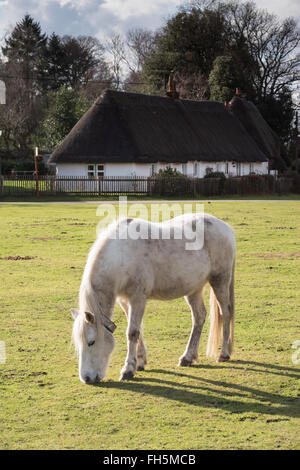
184,168
251,168
238,169
95,171
195,169
226,168
153,169
100,171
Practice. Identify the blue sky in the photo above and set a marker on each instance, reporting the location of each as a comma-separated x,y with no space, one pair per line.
102,18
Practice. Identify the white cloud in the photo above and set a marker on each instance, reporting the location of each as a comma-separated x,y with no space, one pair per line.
125,9
101,18
281,8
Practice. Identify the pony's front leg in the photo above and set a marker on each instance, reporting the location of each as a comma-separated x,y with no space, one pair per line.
136,312
141,348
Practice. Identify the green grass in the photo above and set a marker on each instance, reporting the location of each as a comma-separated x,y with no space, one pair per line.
61,197
251,402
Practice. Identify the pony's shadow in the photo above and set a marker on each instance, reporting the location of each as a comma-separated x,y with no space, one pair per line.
206,393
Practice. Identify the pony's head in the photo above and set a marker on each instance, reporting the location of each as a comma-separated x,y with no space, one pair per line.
94,342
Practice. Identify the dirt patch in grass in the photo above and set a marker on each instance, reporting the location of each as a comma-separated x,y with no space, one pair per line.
277,255
283,228
17,258
20,374
45,238
77,223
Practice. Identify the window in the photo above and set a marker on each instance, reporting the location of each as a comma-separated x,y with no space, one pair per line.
196,169
100,171
226,168
153,169
184,168
238,169
251,168
95,171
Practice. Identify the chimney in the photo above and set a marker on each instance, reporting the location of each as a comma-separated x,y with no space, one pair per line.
227,104
171,91
237,91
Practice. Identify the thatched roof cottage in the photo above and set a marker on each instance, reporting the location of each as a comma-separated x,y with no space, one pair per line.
130,134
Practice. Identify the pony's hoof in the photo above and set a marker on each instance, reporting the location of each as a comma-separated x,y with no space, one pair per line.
184,362
127,375
223,358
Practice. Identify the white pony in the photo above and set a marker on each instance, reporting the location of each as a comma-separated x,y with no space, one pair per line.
131,271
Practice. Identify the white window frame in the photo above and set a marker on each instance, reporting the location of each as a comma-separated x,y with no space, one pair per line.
226,168
238,169
96,170
195,169
184,168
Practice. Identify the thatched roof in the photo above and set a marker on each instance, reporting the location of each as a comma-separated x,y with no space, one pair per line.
130,127
259,130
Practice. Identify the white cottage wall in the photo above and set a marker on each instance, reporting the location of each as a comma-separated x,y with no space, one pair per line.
145,169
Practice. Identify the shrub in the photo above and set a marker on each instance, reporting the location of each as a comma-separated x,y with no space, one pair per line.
215,174
20,165
170,173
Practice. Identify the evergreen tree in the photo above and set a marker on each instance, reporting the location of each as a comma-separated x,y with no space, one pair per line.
223,79
65,109
188,44
25,46
52,64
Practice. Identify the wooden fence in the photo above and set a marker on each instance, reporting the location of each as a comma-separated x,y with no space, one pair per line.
154,186
81,186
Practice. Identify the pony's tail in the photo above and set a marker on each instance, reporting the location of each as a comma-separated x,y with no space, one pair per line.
216,322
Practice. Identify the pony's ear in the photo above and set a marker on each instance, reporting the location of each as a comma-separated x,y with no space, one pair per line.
74,313
108,324
90,317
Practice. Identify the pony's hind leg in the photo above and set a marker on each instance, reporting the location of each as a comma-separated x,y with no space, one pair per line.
141,348
135,316
198,312
221,288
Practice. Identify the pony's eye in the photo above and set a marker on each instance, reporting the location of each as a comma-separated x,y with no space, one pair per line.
91,343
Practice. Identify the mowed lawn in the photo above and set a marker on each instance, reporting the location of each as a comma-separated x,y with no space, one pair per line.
251,402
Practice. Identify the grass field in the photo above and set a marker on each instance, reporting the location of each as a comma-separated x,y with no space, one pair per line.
251,402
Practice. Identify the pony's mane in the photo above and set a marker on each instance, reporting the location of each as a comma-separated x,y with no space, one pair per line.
77,334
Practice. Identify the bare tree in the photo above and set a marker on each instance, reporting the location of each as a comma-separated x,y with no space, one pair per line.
192,86
116,50
140,43
271,43
21,113
127,55
98,80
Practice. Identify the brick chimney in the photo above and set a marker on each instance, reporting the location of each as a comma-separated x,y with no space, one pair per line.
227,104
171,90
237,91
